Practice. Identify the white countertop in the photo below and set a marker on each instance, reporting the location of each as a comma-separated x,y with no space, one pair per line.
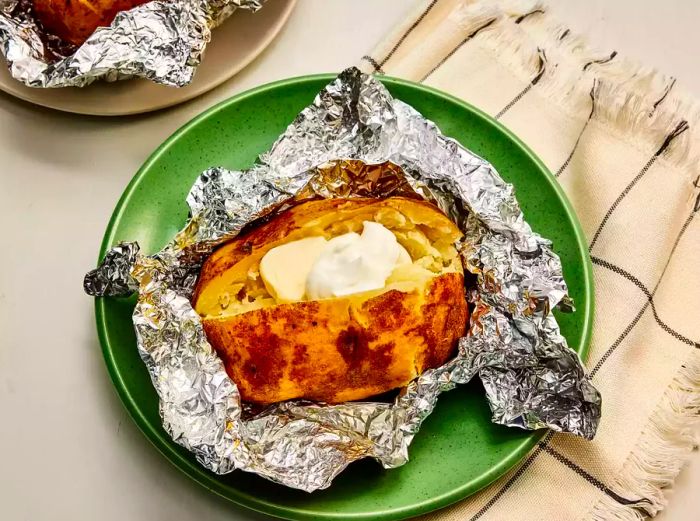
70,451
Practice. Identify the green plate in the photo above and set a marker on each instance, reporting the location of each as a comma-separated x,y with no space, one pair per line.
458,450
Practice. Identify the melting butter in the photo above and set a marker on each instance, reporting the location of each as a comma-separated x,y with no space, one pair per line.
285,269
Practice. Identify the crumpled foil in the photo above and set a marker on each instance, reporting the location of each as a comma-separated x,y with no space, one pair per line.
162,41
532,379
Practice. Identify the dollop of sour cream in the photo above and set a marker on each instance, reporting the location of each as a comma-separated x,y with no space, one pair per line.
353,263
316,268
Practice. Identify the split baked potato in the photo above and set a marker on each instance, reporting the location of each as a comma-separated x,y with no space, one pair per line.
75,20
342,348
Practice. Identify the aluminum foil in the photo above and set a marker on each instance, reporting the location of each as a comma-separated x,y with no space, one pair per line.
162,41
532,379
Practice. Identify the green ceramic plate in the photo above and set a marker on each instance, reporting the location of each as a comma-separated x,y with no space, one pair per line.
458,450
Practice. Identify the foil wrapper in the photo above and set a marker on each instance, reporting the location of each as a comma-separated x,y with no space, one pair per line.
356,140
162,41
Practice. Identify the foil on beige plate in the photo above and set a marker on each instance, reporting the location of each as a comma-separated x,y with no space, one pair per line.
162,41
356,140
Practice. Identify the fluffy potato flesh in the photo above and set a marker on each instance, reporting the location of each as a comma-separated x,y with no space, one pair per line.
343,348
75,20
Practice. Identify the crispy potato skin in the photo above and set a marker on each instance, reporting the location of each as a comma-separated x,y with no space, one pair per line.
340,349
75,20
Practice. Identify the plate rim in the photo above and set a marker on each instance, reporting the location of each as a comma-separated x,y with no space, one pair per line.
168,448
18,90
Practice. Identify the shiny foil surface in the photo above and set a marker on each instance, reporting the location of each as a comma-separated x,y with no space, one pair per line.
356,140
162,41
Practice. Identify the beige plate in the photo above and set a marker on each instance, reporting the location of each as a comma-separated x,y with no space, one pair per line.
234,45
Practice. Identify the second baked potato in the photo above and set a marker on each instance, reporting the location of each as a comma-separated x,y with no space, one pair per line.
75,20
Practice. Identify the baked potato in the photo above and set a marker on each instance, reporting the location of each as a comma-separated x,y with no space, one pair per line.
341,348
74,20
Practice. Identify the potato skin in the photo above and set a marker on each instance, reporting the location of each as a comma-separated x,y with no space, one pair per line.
75,20
339,350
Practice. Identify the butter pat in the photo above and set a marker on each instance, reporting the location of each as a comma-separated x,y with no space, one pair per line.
284,269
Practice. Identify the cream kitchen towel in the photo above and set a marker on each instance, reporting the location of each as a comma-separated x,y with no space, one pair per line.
623,141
